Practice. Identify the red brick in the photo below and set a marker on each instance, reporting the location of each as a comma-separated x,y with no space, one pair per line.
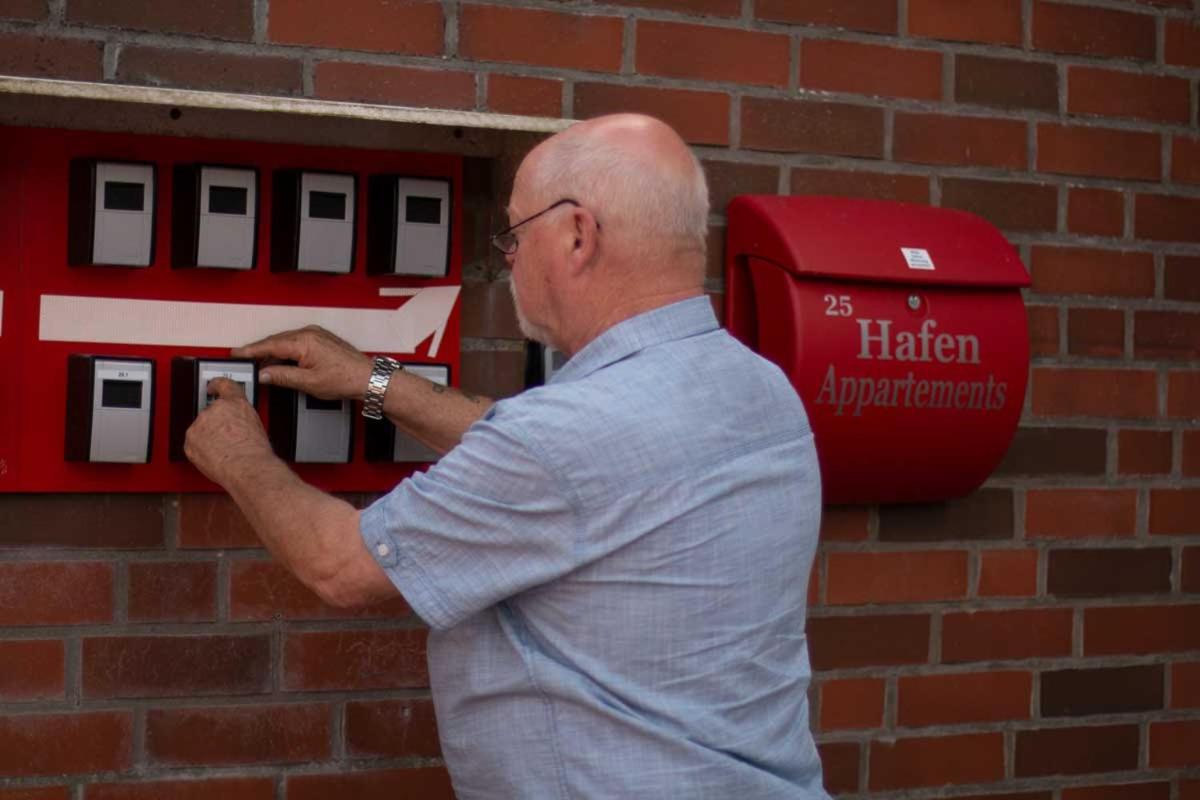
963,697
375,659
1096,332
1191,454
1183,395
1077,150
515,94
851,703
1143,452
1141,630
175,666
714,257
416,783
803,126
1076,751
1080,513
1183,42
935,761
218,19
265,590
81,520
845,524
1087,271
1095,212
1123,791
1173,744
983,514
1185,159
493,373
1121,394
1005,83
839,766
55,593
1189,790
989,21
195,69
867,641
65,744
1043,330
1011,796
891,577
1185,685
873,16
30,10
544,38
31,670
699,117
875,185
1008,573
1056,451
966,141
1165,218
1006,635
373,83
1166,334
225,788
1108,572
727,180
1091,31
1190,579
1103,690
700,52
714,8
414,27
392,729
172,592
814,588
213,521
1009,206
871,69
43,57
1158,98
43,793
1174,511
238,735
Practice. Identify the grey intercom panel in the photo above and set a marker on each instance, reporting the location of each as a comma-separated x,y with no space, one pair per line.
385,443
409,226
215,216
110,409
111,213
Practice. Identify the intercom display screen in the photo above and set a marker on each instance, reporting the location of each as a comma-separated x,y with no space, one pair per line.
227,200
317,404
423,209
121,394
327,205
124,196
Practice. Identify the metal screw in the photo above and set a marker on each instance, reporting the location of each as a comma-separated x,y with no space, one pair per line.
914,302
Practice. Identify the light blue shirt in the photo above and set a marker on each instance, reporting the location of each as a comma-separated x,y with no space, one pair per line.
615,568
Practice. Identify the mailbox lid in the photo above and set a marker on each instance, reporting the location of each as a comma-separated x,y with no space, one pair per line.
873,241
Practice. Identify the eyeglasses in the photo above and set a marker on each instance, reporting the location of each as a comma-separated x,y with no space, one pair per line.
506,241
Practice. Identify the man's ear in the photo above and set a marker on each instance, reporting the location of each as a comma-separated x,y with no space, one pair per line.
584,231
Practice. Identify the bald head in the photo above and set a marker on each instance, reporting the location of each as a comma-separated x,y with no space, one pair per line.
637,176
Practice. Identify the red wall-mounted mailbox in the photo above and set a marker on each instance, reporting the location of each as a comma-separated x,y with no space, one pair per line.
901,327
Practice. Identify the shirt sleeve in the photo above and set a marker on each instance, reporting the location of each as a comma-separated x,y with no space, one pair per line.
488,521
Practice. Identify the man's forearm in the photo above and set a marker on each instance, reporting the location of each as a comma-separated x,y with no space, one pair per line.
434,414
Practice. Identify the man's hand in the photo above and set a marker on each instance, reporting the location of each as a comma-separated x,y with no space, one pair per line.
326,367
227,439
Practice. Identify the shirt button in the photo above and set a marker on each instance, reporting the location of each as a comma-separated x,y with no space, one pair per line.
383,550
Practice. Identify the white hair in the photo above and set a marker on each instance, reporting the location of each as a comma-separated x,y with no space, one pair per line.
631,194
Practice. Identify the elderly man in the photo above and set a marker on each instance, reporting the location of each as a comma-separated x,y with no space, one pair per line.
614,566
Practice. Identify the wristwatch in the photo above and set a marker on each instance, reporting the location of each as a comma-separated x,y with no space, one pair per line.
381,375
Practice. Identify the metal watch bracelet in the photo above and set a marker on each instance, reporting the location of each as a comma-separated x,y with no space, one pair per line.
381,375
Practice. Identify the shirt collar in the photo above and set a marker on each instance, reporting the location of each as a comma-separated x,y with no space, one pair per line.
680,320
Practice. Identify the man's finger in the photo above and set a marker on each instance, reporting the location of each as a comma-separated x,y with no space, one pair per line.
226,389
284,346
283,375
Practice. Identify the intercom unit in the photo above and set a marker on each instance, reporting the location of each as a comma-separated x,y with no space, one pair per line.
110,213
313,221
190,394
385,443
307,430
110,409
214,216
408,226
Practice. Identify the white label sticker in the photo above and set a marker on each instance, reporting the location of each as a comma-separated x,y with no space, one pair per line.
917,258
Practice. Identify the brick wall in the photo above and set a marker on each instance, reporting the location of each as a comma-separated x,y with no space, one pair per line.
1038,640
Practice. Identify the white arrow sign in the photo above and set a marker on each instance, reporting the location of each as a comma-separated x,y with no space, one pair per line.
66,318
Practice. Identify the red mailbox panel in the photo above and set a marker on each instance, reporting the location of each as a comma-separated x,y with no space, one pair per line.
901,327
